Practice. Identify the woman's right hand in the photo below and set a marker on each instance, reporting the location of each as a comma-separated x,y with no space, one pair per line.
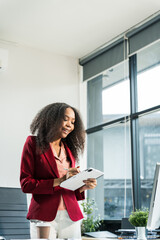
72,171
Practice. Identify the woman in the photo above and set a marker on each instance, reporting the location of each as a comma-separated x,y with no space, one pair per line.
60,136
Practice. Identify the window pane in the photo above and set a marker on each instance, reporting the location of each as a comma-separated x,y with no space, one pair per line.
148,80
109,95
149,139
112,108
109,151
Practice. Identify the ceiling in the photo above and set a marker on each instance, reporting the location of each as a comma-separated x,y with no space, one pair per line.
70,27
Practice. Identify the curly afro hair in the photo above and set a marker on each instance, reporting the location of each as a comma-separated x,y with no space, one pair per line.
49,119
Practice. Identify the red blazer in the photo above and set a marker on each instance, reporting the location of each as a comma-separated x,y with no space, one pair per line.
37,176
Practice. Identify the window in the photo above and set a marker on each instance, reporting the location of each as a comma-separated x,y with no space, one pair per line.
149,145
148,83
113,192
123,126
108,100
123,119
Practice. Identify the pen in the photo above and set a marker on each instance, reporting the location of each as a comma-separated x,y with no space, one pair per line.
68,168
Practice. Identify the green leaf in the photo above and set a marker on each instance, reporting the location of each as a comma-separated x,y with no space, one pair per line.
139,217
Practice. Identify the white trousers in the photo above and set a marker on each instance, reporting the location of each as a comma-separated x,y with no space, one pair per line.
61,227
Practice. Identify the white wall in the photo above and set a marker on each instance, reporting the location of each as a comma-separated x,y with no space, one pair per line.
33,79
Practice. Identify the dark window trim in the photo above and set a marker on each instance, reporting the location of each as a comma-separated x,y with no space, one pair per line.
135,159
122,119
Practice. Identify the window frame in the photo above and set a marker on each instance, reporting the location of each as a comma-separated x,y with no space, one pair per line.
133,117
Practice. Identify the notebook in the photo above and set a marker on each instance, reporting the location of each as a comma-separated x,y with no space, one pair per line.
76,181
100,234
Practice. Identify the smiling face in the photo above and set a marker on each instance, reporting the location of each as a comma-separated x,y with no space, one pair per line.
67,123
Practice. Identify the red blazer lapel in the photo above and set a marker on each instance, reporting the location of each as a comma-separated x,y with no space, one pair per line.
70,155
48,155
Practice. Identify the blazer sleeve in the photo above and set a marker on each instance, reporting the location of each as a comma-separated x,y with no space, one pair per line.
28,183
79,196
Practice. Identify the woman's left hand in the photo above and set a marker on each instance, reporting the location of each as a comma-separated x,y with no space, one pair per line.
90,183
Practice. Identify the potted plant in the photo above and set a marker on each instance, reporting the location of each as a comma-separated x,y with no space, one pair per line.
90,223
139,220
